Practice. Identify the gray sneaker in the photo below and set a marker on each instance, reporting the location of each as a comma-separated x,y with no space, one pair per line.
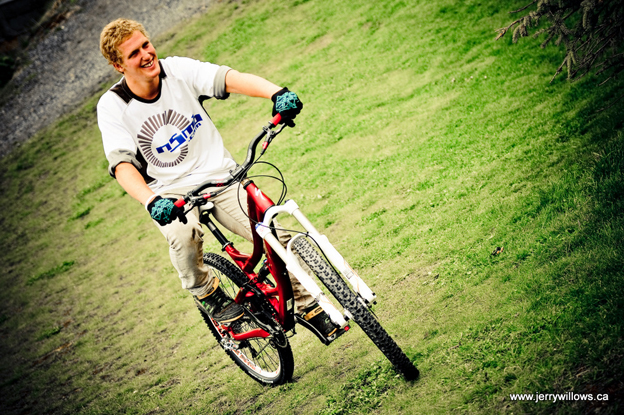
218,305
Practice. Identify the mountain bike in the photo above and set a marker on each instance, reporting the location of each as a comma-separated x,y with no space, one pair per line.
259,345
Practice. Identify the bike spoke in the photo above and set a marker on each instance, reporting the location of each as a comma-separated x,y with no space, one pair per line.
262,355
270,366
259,357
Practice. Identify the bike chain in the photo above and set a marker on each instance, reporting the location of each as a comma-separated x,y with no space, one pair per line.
278,336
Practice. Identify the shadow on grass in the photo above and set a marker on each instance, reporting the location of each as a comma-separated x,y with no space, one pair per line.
584,273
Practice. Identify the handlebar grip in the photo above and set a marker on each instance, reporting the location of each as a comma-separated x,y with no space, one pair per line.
180,202
276,120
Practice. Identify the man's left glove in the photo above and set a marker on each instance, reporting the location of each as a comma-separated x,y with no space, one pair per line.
287,104
164,211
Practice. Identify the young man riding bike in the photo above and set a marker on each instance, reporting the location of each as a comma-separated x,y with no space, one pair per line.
160,143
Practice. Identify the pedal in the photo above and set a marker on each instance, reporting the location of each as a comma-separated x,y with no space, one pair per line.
325,340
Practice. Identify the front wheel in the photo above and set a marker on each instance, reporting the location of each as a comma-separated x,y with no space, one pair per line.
268,361
361,314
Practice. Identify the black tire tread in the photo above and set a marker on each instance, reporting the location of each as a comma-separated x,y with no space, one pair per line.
362,316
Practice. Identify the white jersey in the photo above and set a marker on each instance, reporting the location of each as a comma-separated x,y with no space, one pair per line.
170,138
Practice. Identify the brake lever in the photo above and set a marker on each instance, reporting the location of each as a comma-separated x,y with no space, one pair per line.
192,201
270,136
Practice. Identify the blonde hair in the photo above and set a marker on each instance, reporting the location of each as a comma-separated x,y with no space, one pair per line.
114,34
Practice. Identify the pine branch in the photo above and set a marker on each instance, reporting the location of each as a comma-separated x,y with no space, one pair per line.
548,39
609,63
608,79
612,104
571,13
565,61
596,30
525,7
605,41
504,30
590,58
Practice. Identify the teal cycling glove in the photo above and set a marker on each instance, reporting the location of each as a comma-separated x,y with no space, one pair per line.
287,104
164,211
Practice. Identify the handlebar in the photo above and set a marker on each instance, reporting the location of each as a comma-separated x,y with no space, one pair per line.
276,120
240,172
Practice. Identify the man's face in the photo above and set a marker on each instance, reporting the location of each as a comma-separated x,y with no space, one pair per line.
139,60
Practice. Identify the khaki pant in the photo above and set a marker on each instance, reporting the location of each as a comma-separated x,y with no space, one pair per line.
186,241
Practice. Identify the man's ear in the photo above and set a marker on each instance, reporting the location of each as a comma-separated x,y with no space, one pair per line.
118,68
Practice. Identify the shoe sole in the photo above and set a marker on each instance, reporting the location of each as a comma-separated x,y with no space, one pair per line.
225,321
325,340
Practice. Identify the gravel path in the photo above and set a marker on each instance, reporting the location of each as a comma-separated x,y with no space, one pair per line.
67,67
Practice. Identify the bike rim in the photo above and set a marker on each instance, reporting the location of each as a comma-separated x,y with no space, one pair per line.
260,355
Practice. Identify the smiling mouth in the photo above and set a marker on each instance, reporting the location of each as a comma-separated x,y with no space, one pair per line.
148,64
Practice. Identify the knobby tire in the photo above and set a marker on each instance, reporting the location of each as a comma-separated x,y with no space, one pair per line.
360,312
262,359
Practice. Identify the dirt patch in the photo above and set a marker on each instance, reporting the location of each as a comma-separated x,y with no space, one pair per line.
65,65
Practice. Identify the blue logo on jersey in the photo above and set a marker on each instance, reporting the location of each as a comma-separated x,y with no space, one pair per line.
184,136
178,141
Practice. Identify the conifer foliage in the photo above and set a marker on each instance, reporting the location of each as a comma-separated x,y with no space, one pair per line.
592,32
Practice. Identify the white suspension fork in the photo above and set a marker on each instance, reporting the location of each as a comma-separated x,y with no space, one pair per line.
291,207
293,266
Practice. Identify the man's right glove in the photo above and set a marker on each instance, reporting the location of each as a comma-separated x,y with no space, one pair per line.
287,104
164,211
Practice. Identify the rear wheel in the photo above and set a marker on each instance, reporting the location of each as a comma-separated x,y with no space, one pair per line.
354,304
269,360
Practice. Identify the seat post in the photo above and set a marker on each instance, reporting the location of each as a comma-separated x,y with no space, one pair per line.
205,219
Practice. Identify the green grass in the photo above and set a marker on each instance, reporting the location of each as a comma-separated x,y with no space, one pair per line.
423,145
51,273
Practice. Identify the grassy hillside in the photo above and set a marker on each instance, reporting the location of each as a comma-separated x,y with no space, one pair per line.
423,146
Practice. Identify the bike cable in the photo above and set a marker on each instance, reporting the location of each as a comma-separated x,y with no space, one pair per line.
280,179
282,195
281,199
270,226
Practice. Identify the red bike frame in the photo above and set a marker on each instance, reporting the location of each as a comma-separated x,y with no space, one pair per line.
280,296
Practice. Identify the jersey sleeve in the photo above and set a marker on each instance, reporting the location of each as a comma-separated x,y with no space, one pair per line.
118,144
204,78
